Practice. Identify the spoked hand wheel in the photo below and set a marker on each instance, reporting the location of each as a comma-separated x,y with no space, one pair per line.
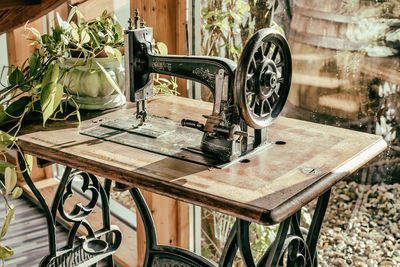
263,77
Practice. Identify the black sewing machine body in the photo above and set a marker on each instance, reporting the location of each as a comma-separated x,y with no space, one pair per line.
247,98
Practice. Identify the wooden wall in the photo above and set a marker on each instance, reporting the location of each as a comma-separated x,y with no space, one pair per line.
168,20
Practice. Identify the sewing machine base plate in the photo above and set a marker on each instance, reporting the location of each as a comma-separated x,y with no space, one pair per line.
158,135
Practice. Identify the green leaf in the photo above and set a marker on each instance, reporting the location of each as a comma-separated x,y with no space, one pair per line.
50,99
118,55
7,221
5,140
162,48
29,162
17,107
75,35
10,179
71,13
4,165
51,75
85,37
32,30
16,193
236,17
109,51
57,31
209,15
34,63
80,16
6,252
15,77
118,29
3,115
110,79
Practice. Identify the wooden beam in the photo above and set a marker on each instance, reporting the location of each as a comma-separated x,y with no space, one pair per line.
6,4
14,18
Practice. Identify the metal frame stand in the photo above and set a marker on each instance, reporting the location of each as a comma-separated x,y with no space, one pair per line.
79,250
293,245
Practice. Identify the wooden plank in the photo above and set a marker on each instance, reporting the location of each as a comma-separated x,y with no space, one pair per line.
126,253
6,4
268,189
11,19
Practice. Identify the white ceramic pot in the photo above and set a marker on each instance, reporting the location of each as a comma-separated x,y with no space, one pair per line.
89,86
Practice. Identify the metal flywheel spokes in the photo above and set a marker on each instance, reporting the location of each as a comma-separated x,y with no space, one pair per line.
263,78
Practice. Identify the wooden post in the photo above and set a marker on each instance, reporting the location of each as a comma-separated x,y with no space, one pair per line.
168,20
171,217
18,47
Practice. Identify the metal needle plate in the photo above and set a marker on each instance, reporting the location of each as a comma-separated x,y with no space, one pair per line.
158,135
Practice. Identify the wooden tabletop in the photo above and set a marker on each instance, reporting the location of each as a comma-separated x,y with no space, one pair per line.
276,182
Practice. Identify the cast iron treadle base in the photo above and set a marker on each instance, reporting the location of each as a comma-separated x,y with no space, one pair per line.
79,250
158,135
293,245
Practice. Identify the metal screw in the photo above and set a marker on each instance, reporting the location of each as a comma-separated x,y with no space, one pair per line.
130,24
142,23
309,170
137,18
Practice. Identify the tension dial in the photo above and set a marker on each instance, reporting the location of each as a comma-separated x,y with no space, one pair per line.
263,77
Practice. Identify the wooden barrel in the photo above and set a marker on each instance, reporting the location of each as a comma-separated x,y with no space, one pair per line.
325,42
321,24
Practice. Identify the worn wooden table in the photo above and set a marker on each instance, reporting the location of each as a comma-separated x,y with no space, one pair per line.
270,188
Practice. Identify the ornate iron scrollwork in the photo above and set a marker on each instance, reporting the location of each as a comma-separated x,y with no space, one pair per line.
97,244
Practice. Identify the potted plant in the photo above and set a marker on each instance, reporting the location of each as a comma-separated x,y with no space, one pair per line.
77,61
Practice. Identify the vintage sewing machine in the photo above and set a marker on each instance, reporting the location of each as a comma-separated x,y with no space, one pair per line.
247,98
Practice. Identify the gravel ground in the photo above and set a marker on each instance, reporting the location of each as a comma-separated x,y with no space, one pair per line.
361,226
